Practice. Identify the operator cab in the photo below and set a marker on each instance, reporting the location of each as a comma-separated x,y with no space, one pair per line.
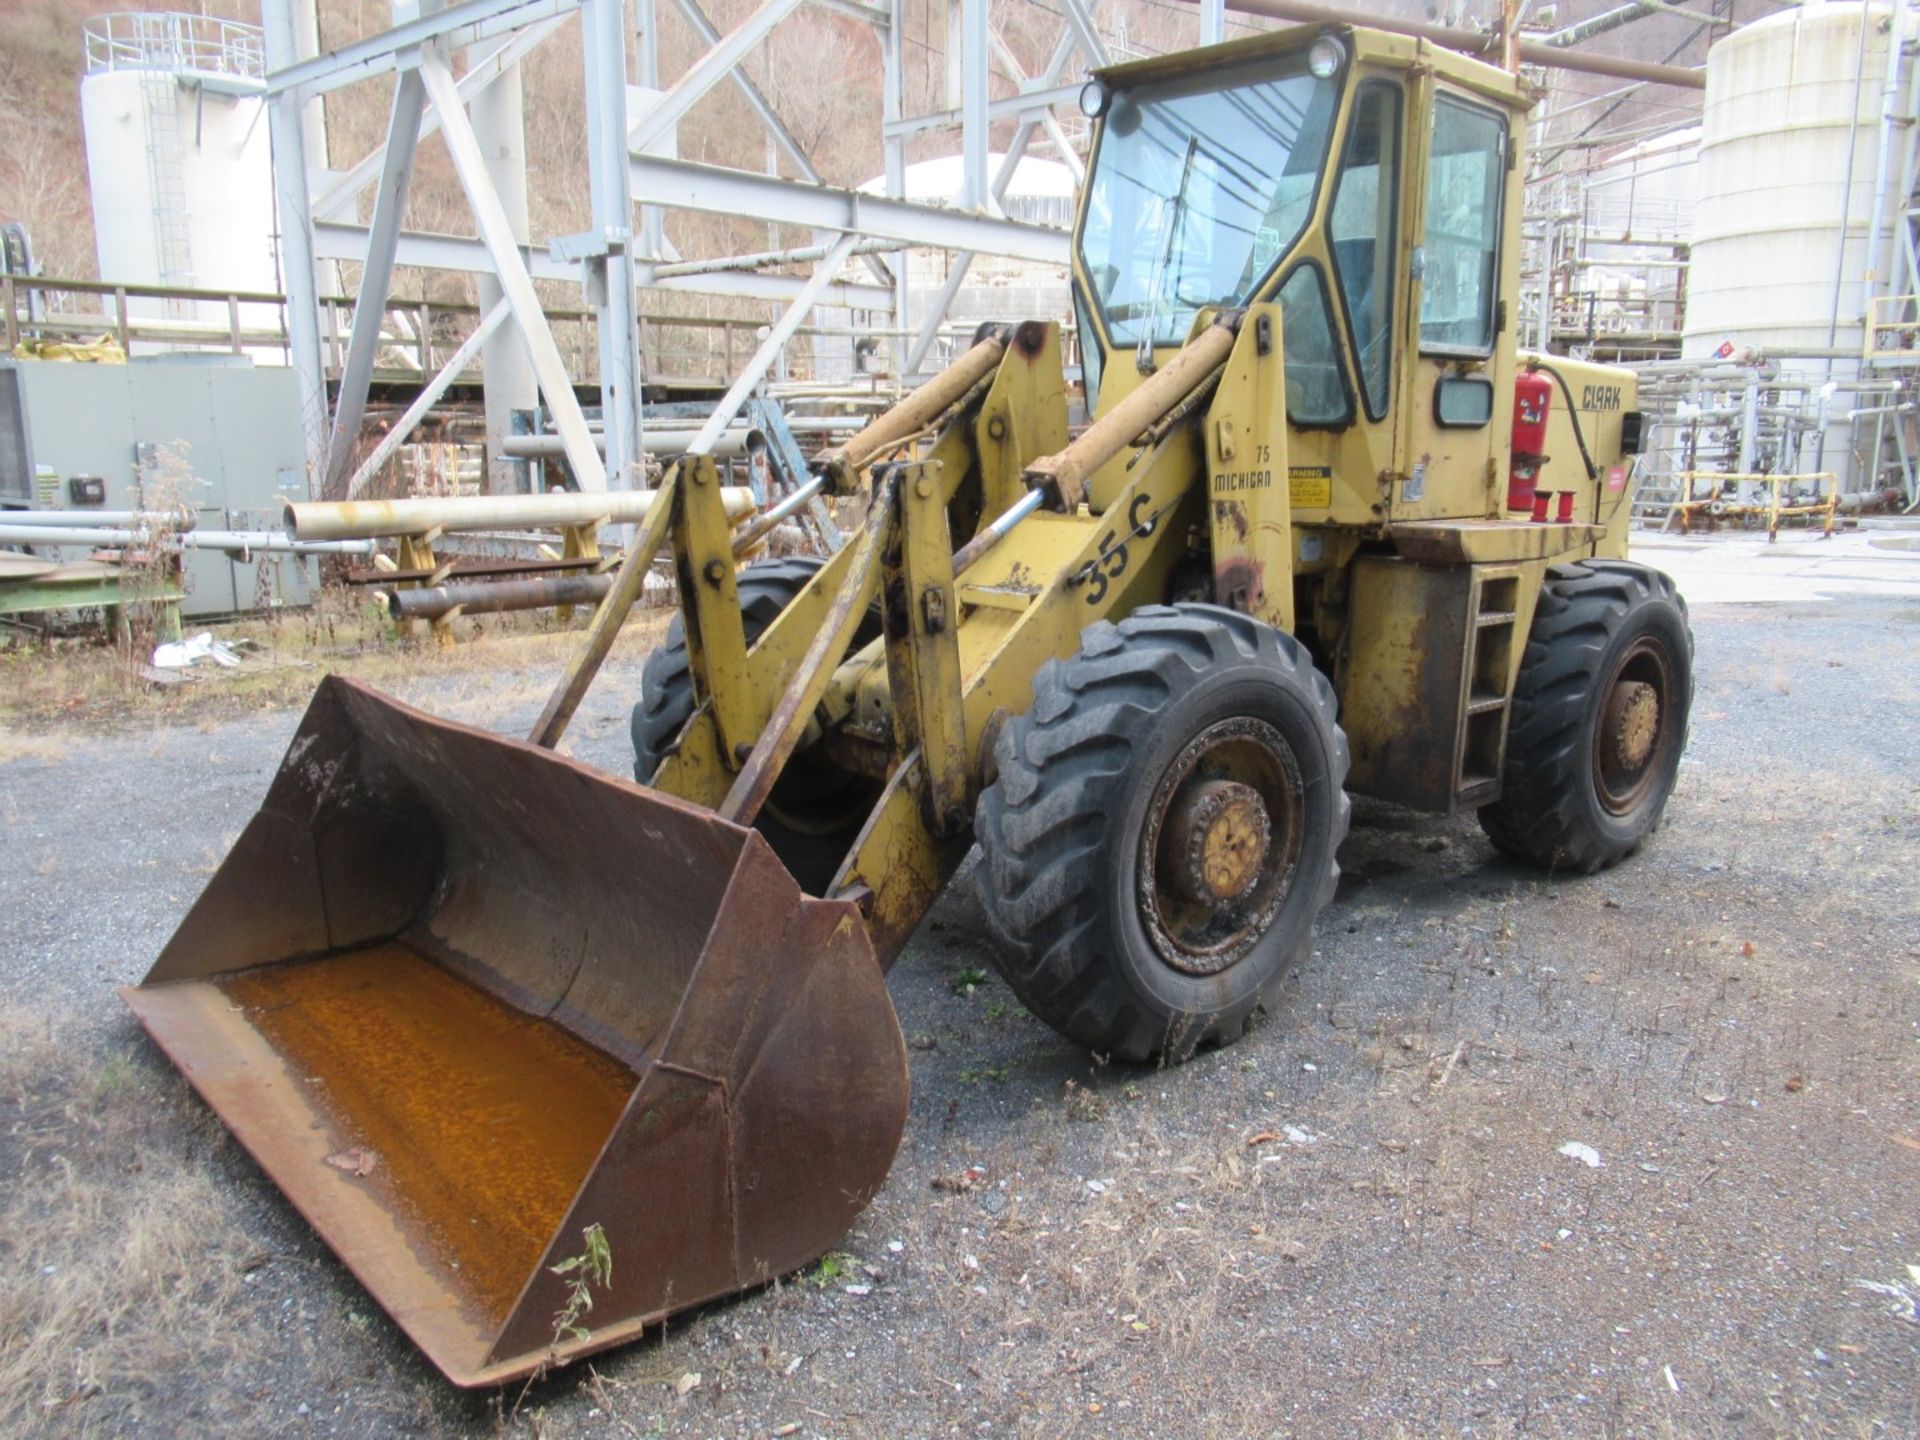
1354,176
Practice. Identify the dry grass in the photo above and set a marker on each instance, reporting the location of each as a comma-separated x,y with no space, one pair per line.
18,745
110,1265
81,680
140,1292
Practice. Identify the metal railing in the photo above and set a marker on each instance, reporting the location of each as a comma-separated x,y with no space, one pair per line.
419,336
1726,495
199,44
1893,330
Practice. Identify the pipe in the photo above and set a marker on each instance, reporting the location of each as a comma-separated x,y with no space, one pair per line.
913,414
490,597
767,523
731,445
761,259
175,520
1477,43
964,557
1889,117
357,519
271,542
120,538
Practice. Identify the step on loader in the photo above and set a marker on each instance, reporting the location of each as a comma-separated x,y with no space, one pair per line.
1328,532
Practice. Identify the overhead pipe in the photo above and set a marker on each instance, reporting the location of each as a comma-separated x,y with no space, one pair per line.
1477,42
358,519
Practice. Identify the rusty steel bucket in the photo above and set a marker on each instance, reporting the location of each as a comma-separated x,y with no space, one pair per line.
464,999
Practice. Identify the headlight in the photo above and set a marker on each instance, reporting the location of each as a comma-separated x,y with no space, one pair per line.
1093,99
1326,57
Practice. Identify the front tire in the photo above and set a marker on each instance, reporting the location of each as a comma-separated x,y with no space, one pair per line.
1599,718
1162,830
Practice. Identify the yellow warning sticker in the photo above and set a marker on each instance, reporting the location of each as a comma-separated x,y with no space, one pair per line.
1310,486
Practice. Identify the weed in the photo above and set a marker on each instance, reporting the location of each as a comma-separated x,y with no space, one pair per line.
592,1266
834,1265
1084,1104
967,981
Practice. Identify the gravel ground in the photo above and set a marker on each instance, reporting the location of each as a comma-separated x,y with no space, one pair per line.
1357,1221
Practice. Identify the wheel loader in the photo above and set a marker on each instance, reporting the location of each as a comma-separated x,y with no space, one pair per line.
479,1010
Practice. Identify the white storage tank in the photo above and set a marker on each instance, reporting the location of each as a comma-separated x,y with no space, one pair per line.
178,163
1793,104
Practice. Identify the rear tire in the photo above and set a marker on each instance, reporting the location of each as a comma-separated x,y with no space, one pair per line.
1162,829
815,809
1599,718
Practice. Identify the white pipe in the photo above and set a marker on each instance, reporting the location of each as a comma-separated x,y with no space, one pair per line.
1889,99
730,445
93,519
358,519
116,538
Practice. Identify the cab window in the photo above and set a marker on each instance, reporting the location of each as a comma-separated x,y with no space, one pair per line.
1316,386
1362,234
1465,177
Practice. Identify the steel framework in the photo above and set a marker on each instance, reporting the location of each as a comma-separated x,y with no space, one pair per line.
631,185
634,181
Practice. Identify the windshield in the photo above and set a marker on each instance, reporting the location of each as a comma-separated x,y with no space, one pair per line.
1198,189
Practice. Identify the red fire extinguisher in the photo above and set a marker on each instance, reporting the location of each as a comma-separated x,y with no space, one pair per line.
1532,399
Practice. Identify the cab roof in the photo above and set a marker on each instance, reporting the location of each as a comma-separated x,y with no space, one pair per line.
1366,45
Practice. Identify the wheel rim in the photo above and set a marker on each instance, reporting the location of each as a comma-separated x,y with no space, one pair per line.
1223,837
1634,733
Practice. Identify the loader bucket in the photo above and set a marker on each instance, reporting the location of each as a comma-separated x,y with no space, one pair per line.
463,999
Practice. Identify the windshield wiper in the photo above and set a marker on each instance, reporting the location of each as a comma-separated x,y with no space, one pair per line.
1143,352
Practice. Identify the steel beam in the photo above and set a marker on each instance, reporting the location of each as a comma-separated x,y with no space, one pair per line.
1079,16
515,282
335,241
936,313
1213,21
1010,63
776,128
398,47
1027,104
739,192
974,119
498,111
287,140
336,201
646,19
708,71
782,330
603,34
761,258
376,276
428,397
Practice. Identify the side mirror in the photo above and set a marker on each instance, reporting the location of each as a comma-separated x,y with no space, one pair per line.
1463,402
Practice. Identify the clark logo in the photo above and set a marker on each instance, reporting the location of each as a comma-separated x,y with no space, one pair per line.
1600,397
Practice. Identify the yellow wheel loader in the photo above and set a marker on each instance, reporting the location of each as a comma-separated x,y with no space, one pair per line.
1327,533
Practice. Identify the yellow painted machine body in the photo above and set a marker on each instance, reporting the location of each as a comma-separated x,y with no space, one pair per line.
1328,454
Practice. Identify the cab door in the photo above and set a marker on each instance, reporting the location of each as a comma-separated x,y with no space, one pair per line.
1454,411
